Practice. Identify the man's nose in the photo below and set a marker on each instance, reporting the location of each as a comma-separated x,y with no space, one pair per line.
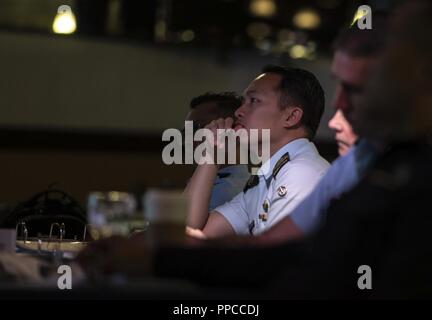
239,113
334,122
340,101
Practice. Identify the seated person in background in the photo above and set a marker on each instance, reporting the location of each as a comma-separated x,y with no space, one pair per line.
289,102
230,179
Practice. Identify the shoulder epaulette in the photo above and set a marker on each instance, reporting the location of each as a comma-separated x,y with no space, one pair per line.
281,162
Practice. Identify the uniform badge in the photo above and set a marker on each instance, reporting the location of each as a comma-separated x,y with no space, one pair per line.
265,205
281,190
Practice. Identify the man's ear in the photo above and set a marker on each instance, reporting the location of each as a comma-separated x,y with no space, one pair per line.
293,116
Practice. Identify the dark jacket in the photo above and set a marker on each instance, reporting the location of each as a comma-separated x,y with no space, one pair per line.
384,223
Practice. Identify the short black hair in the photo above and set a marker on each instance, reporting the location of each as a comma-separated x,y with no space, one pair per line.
364,42
228,101
300,87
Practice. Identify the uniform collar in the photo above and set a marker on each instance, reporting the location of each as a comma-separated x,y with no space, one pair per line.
292,148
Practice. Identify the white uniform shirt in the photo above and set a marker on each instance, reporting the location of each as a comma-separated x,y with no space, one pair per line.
282,193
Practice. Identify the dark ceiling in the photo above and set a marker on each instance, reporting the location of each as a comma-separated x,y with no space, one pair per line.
223,24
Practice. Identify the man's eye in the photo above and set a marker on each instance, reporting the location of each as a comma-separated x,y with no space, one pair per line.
253,100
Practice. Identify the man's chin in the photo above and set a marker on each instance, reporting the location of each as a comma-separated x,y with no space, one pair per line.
238,127
342,150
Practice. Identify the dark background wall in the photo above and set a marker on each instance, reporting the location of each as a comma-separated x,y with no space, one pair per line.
86,111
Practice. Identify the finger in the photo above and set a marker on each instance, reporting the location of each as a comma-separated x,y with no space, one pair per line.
212,125
220,123
229,123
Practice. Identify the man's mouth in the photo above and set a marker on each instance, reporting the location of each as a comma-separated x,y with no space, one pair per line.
342,143
238,125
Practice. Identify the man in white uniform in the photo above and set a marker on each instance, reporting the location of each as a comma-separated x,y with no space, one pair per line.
289,102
